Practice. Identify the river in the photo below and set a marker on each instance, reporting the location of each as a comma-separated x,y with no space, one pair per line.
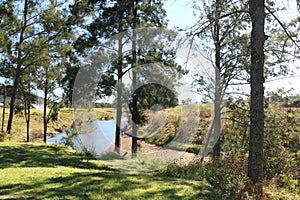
97,139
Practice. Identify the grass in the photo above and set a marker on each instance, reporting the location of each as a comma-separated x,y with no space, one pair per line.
184,122
38,171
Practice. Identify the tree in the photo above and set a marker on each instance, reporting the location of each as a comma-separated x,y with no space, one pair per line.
118,20
26,37
221,28
110,21
255,159
150,14
53,59
28,100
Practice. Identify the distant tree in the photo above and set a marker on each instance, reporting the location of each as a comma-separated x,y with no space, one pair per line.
27,99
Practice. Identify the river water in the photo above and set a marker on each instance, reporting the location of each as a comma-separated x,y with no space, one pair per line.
98,137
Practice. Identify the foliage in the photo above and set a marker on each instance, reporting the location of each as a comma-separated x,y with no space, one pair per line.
33,34
224,40
229,183
281,145
71,134
281,163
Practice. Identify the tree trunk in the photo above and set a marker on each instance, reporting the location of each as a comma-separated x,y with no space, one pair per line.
255,159
134,103
119,99
4,106
45,118
134,82
12,103
28,113
218,88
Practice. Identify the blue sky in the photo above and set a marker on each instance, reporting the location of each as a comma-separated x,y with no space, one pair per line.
180,13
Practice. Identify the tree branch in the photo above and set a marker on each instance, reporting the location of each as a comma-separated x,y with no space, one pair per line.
283,26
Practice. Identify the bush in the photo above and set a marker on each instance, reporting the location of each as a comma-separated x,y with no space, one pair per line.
194,171
281,165
3,136
228,184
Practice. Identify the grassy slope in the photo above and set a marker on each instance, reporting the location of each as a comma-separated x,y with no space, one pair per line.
37,171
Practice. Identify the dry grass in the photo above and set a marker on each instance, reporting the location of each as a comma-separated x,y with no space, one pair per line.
64,121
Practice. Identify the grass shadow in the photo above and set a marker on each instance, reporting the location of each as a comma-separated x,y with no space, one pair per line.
110,185
40,155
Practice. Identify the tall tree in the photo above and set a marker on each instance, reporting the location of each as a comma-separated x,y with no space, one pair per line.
145,14
18,60
111,20
255,159
134,107
54,58
116,18
221,26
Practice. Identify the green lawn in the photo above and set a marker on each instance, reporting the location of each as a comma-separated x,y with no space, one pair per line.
38,171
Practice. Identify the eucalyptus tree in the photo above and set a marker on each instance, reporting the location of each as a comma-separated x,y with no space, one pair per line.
255,160
259,48
221,27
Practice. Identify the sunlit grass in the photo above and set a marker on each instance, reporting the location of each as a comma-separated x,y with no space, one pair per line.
37,171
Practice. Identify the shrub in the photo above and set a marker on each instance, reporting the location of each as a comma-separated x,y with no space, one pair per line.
3,136
228,184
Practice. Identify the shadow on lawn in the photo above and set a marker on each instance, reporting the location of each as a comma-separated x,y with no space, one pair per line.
110,185
28,155
100,183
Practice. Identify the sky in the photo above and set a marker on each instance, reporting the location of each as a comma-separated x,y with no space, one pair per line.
180,15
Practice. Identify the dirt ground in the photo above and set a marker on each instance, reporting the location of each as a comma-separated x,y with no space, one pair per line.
171,156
